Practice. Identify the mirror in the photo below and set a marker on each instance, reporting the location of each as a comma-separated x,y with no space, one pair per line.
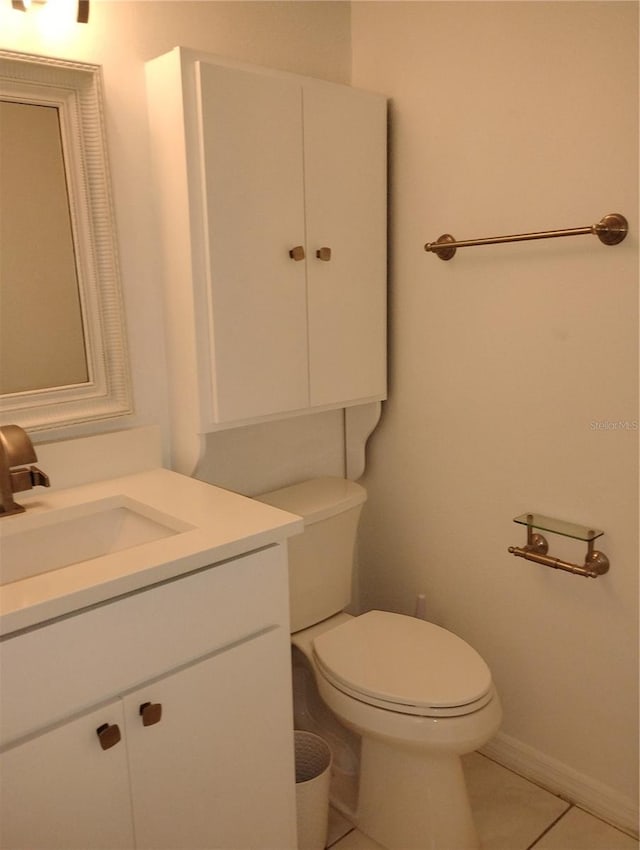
41,284
62,342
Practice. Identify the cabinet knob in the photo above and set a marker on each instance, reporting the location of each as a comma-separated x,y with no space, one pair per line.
151,713
297,253
324,254
109,735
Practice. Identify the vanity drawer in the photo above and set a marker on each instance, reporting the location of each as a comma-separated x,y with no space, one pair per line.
71,664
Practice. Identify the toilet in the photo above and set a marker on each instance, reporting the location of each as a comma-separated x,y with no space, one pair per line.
414,696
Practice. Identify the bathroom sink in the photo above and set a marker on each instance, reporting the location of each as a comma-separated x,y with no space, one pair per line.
31,544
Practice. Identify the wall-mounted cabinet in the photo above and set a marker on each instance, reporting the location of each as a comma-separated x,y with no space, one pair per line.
272,197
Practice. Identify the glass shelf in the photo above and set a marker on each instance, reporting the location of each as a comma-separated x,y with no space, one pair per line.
558,526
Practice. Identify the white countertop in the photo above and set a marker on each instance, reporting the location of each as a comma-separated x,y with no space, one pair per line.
220,525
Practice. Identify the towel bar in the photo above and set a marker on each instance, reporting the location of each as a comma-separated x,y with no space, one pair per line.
610,230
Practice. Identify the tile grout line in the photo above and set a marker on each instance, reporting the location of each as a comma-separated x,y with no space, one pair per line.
338,840
551,826
543,787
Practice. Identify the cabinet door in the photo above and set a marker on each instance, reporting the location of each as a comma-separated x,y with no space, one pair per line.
62,791
251,148
216,771
345,193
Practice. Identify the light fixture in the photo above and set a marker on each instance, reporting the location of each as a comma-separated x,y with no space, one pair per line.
83,8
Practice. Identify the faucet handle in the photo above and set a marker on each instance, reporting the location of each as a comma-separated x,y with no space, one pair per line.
38,477
17,445
24,479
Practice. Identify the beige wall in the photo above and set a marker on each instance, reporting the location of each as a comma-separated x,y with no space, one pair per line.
505,118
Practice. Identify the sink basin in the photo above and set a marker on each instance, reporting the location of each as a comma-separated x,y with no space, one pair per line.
31,544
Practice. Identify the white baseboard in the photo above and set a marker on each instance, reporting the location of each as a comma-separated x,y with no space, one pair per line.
599,799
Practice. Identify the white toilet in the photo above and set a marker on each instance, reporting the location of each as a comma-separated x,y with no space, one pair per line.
417,696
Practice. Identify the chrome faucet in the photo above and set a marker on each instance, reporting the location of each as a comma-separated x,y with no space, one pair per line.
16,449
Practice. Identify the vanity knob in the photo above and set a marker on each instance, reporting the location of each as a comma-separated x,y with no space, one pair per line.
151,713
324,254
297,253
109,735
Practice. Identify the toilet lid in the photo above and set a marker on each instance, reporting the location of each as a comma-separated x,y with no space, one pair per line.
404,664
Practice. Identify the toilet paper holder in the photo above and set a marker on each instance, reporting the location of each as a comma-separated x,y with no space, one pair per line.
536,549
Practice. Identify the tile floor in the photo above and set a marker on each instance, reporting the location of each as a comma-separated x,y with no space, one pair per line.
511,814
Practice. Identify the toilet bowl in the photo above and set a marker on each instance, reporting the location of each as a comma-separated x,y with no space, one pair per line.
416,696
419,697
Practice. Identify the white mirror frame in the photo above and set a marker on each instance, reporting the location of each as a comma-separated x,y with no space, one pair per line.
76,90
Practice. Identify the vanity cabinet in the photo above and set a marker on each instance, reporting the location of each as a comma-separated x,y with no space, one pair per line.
187,686
272,198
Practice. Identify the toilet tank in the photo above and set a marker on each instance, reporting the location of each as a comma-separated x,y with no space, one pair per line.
321,558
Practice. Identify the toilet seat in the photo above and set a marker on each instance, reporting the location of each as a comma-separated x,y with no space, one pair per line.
403,664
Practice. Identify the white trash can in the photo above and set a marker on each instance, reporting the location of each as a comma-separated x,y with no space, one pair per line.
313,768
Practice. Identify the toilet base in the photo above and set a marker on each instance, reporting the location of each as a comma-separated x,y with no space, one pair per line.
413,800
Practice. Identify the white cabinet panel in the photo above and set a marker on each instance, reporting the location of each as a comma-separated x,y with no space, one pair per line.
345,196
216,770
251,142
62,791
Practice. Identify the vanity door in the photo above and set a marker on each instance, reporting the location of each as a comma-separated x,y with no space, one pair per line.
67,789
214,767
